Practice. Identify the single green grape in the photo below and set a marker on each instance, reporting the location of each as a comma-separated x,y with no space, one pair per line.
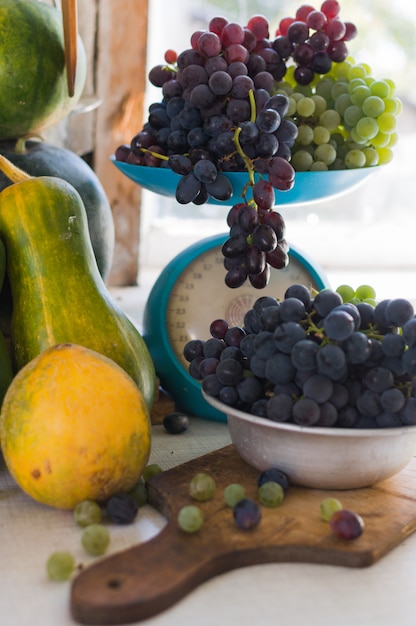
381,140
302,160
355,158
346,292
320,104
339,88
371,157
326,153
357,72
380,88
87,512
385,155
352,114
373,106
95,539
151,470
340,70
139,493
60,566
365,291
233,493
202,487
271,494
321,135
387,122
305,135
359,94
305,107
355,82
330,118
292,107
342,103
391,105
190,518
328,507
367,127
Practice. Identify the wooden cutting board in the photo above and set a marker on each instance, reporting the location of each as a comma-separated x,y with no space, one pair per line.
150,577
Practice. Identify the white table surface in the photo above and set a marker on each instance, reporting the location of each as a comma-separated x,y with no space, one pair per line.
282,593
291,594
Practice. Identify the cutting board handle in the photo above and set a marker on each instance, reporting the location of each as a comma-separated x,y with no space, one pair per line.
147,579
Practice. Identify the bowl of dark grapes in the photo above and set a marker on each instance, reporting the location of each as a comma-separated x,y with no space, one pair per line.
242,102
320,385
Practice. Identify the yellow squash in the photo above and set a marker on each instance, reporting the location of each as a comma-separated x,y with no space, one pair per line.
74,427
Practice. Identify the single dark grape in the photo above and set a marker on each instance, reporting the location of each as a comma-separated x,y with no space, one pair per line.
259,281
122,508
263,194
275,475
218,328
236,277
247,514
176,422
193,349
180,164
229,371
346,524
254,260
188,189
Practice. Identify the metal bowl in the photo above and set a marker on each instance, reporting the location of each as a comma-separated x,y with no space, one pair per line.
320,458
309,186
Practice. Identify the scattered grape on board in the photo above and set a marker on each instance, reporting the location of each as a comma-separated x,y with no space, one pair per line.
314,359
241,98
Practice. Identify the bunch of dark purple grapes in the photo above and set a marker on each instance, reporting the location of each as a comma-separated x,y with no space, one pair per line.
314,361
257,239
218,113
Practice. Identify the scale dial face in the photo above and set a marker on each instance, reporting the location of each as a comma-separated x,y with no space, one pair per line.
189,294
200,295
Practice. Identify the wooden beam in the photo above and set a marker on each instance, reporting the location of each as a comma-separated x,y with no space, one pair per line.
120,81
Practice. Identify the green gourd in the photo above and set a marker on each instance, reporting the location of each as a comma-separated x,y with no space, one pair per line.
6,371
58,294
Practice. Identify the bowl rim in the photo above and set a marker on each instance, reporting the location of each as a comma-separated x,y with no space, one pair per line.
307,430
310,186
306,174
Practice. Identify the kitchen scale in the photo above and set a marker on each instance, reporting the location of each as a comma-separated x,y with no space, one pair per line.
190,292
188,295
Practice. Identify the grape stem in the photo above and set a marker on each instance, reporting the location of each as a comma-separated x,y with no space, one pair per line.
253,107
312,329
155,154
247,161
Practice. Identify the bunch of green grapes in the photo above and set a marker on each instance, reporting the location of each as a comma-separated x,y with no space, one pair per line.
363,293
346,119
